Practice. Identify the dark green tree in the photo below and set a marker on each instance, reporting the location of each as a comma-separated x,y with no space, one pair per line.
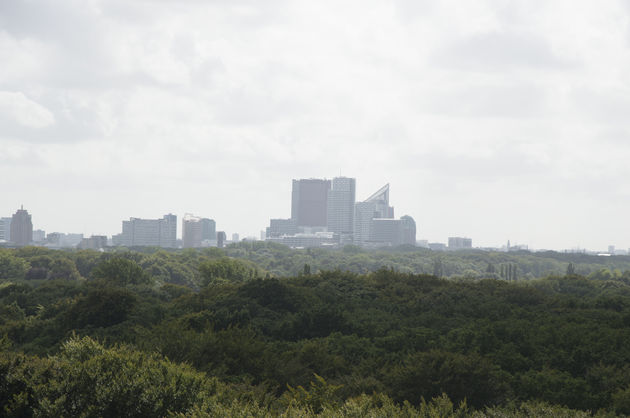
120,272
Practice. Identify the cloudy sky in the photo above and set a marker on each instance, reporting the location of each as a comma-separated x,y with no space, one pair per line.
492,119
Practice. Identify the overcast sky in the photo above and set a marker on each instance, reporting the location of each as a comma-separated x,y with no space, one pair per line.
494,120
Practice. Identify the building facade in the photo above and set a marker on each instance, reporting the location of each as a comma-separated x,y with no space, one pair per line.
95,242
5,229
39,235
138,232
62,240
380,198
309,198
208,229
21,228
340,208
280,227
407,231
374,207
364,212
459,243
221,238
192,231
393,232
301,240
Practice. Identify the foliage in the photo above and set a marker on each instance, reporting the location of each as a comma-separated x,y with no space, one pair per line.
11,267
365,340
87,379
120,272
226,270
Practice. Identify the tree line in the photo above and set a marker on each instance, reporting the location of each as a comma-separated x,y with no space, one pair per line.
205,333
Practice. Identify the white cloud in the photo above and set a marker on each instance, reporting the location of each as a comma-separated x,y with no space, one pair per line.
15,107
210,106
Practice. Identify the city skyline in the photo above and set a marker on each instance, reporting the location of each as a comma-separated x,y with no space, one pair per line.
494,120
378,200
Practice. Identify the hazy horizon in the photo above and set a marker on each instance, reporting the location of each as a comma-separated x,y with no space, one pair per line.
492,120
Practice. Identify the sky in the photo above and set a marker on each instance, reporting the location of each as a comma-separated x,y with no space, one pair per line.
491,119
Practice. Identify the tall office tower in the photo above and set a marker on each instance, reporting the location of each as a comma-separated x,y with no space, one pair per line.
221,238
364,212
309,199
340,208
5,229
192,231
375,206
208,229
407,230
168,231
381,202
21,228
150,232
235,237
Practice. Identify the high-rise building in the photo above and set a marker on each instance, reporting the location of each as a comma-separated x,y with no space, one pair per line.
340,208
208,229
375,206
221,238
5,229
407,230
192,231
149,232
168,231
21,228
364,212
235,237
309,199
381,202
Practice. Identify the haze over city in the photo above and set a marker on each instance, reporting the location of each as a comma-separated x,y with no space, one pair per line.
490,119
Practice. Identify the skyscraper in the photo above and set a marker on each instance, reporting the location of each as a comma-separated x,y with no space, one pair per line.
221,238
21,228
340,208
363,214
375,206
192,231
407,230
208,229
381,202
309,199
5,229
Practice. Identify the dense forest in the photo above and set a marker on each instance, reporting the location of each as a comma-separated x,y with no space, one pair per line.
280,260
262,330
